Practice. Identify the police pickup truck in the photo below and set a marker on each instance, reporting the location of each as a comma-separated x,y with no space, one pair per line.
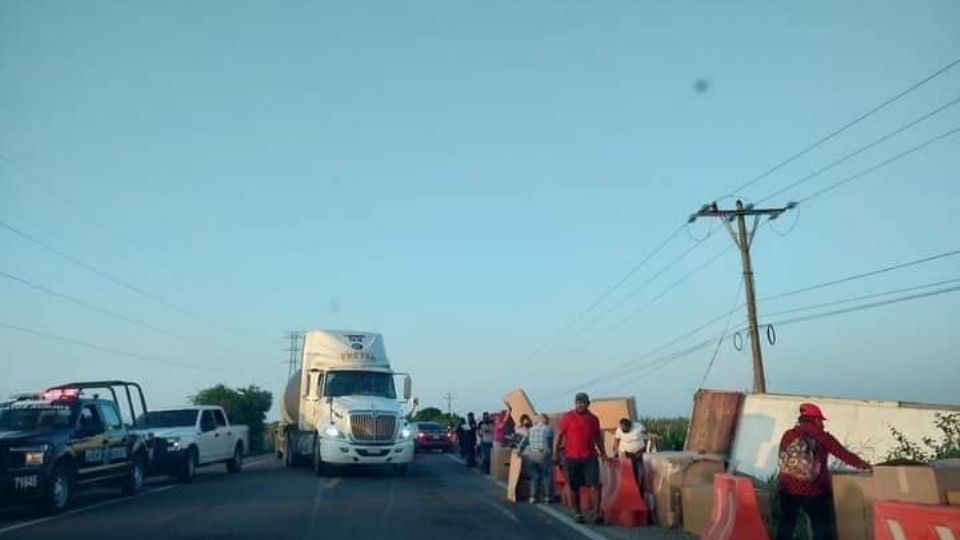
63,441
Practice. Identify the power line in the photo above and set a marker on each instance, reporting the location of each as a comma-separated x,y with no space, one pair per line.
862,297
69,201
113,279
101,348
816,144
723,333
636,292
861,150
548,345
863,275
880,165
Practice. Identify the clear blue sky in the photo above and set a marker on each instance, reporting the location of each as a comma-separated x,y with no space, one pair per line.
468,177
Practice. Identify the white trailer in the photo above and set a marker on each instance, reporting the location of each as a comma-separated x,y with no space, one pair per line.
342,408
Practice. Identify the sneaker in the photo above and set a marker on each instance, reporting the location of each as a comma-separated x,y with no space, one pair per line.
578,518
533,500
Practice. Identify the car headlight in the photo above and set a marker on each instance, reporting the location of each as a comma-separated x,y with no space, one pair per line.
406,433
33,456
332,431
173,443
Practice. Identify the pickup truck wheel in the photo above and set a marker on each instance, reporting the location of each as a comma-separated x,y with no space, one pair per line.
134,479
188,469
235,464
290,454
58,490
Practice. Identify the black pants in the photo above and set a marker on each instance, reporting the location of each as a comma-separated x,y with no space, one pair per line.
818,509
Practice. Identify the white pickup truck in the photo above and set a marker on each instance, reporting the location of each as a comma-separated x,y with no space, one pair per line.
196,437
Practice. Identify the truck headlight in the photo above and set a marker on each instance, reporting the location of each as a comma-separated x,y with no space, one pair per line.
33,456
332,431
173,443
405,432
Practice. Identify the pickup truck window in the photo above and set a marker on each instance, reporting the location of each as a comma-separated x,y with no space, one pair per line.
360,383
110,416
90,419
16,418
207,423
218,416
169,419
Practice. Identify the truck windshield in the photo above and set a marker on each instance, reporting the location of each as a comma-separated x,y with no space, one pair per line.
25,418
168,419
359,383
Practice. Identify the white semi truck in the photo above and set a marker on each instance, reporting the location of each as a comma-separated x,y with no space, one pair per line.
342,408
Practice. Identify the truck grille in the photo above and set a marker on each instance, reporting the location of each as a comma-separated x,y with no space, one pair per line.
371,427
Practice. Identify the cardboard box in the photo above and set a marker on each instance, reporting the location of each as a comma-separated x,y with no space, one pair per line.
500,463
611,410
519,404
666,473
919,483
953,497
696,503
853,496
518,485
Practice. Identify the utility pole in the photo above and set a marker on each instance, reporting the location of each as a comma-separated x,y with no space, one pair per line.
295,338
744,239
449,398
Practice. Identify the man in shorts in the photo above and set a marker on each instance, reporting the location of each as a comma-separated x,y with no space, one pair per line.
582,442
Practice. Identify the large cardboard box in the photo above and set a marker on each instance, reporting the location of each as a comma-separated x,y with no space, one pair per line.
696,504
853,496
666,473
519,404
919,483
500,463
611,410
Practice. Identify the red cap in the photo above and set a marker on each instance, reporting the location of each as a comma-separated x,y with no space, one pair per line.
812,411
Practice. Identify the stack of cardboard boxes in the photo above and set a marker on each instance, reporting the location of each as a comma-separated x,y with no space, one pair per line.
679,488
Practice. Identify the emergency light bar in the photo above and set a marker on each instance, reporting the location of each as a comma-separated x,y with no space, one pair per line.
60,394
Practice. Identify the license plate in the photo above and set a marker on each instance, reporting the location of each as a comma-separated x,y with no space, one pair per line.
25,482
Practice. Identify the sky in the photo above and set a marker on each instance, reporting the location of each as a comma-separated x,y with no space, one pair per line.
189,181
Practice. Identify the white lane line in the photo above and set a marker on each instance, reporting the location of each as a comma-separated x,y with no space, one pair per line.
546,509
566,520
85,509
510,515
256,462
332,482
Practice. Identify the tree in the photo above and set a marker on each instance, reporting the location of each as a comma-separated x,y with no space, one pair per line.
243,406
433,414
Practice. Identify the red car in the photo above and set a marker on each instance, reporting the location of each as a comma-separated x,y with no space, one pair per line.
432,436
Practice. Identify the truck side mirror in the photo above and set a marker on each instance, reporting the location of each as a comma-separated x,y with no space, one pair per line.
407,387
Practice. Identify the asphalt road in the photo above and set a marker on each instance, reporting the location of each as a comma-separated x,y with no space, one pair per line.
438,499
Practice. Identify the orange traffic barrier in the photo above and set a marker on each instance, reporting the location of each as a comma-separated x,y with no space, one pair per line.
735,515
622,502
893,520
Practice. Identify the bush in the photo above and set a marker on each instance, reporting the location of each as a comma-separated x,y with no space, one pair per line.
929,449
672,431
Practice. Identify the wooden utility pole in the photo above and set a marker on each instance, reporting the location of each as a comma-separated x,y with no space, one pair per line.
744,240
449,398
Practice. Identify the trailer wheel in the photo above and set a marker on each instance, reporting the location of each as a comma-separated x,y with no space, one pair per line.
290,454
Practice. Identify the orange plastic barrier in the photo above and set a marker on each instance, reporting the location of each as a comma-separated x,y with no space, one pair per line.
622,502
894,520
735,515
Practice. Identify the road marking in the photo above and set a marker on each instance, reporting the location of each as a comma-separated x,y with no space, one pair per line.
510,515
256,462
85,509
559,516
332,482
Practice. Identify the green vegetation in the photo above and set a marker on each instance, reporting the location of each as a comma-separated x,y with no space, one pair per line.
672,431
930,449
243,406
433,414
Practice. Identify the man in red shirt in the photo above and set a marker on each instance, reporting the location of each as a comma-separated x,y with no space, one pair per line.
803,478
582,442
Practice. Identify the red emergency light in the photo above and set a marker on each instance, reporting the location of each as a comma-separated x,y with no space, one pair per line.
60,394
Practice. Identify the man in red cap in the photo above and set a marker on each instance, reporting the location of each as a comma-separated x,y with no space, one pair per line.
804,481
